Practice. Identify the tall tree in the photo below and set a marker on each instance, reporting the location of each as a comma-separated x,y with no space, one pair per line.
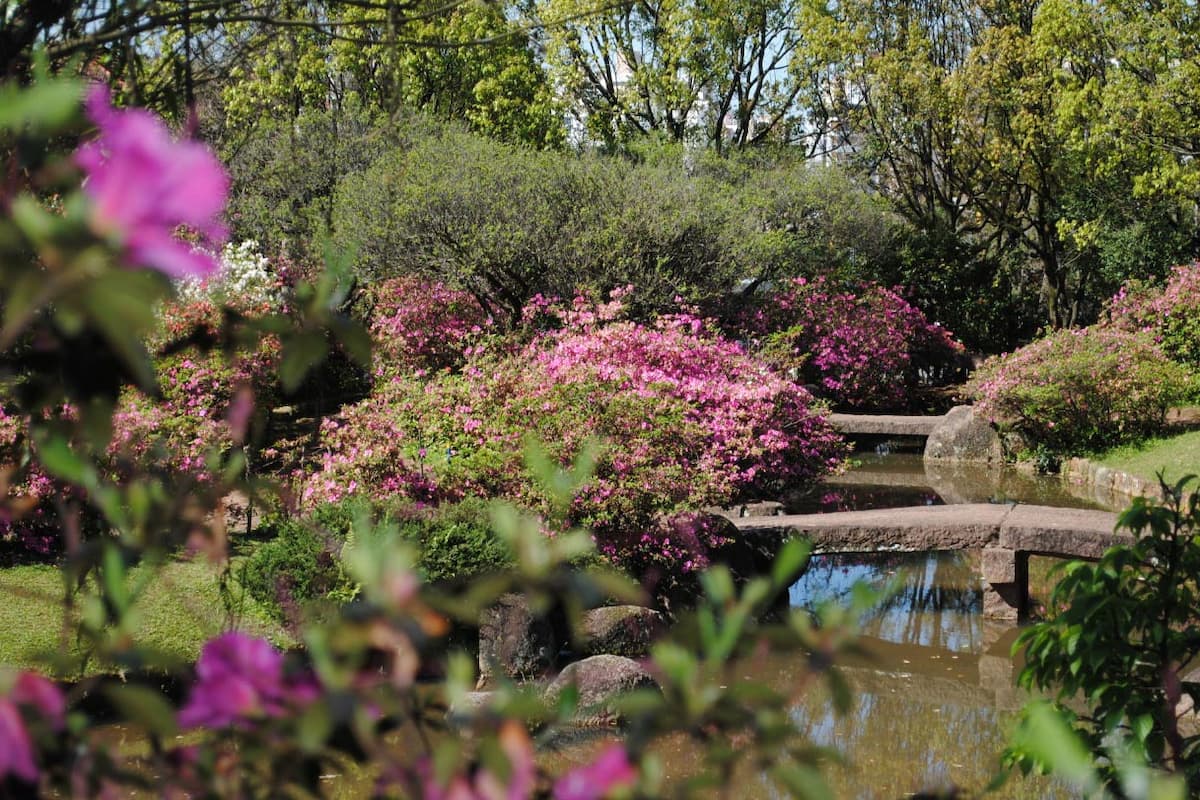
710,71
983,118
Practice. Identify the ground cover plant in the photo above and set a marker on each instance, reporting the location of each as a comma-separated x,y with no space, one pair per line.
1173,456
187,603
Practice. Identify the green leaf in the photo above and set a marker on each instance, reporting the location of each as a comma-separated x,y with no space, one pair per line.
718,584
113,576
314,727
144,706
55,454
802,780
121,304
301,353
1142,726
48,105
790,562
355,339
840,691
1047,738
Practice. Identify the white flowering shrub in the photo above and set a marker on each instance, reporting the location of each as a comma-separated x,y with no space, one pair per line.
245,279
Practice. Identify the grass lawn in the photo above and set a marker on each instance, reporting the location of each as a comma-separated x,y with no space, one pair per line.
1177,455
180,610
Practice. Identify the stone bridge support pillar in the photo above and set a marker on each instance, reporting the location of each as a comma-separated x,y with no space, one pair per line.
1006,583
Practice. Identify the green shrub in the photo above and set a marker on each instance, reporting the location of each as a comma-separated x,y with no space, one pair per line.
302,563
456,542
299,565
1081,390
1117,650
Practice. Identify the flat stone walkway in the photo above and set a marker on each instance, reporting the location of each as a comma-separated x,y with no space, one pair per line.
1043,530
885,424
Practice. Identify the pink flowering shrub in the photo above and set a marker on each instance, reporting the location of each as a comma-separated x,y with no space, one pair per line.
423,326
1170,314
1080,390
864,346
198,388
681,417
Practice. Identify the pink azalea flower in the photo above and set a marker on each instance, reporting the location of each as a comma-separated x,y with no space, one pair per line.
611,770
16,748
31,689
238,678
144,185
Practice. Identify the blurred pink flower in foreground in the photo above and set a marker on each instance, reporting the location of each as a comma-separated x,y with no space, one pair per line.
36,694
611,770
144,184
238,678
514,743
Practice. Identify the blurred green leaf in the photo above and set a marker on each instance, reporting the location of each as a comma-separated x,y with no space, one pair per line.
790,562
56,455
802,781
314,727
122,303
46,106
143,706
1046,737
301,353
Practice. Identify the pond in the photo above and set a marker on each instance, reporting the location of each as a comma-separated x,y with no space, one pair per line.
934,692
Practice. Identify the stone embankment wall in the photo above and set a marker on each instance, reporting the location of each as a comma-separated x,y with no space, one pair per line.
1109,486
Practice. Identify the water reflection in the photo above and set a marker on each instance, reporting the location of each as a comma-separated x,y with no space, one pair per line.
892,480
931,600
934,693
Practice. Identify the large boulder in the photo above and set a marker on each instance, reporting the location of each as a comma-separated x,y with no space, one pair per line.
964,436
600,680
619,630
515,642
470,707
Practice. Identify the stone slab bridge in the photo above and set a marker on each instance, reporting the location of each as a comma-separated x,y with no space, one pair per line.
885,424
1006,534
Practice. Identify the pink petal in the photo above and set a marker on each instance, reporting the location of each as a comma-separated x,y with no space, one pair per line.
34,690
160,250
16,751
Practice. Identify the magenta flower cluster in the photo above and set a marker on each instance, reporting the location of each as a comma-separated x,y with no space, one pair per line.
861,346
29,698
239,679
423,326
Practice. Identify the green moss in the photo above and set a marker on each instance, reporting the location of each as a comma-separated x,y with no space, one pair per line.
1175,455
180,610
